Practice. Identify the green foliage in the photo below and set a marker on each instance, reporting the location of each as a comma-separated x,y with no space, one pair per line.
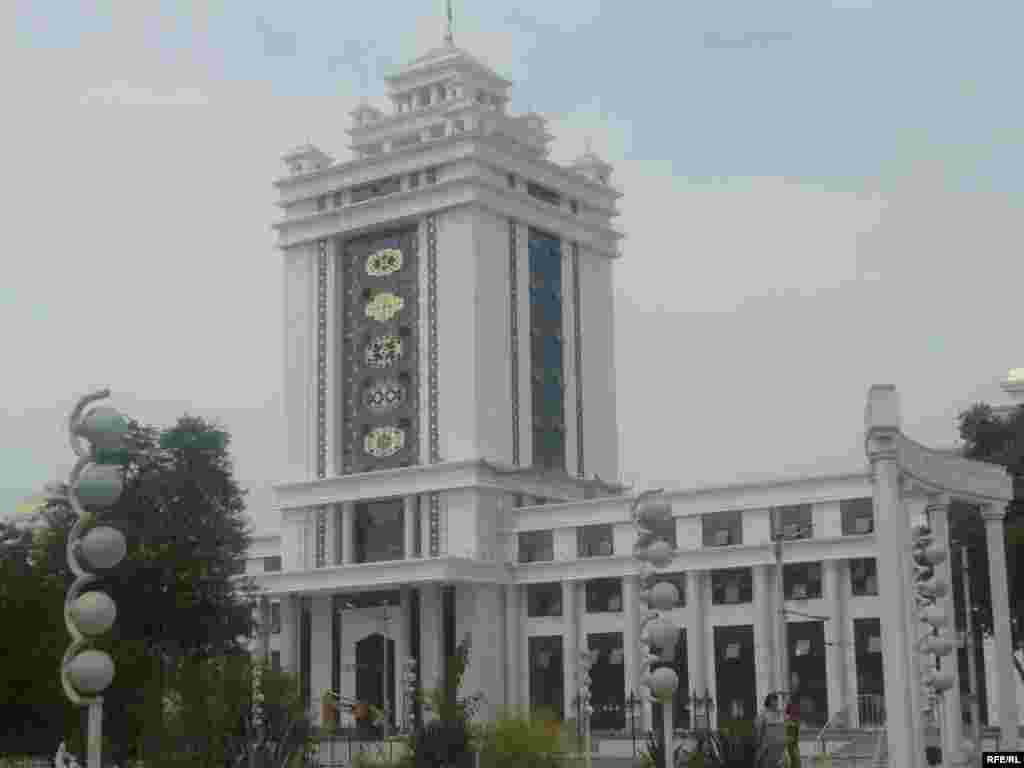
737,745
183,516
216,712
515,740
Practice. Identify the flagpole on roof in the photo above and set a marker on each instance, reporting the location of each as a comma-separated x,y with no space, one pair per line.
449,38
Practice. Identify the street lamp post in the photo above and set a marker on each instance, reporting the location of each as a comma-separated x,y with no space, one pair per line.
779,535
972,666
95,482
654,552
587,660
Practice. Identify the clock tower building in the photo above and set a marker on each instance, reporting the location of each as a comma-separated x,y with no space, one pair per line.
448,359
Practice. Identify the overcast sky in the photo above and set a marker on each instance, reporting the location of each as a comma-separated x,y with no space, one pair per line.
818,197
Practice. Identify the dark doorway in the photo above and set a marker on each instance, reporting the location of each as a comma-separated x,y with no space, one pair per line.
607,682
370,671
807,670
867,647
547,679
735,677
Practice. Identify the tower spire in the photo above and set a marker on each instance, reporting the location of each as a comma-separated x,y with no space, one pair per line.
448,37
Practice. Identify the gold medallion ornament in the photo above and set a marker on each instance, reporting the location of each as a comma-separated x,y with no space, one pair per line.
384,306
384,351
384,262
384,441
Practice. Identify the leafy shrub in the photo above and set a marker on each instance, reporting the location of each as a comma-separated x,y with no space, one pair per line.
515,740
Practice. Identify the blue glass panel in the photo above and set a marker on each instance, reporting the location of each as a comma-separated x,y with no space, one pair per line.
552,352
552,391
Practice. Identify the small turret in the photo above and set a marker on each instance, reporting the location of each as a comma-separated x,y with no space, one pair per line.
593,167
306,159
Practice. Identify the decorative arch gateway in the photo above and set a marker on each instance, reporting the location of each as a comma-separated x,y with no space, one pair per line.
911,481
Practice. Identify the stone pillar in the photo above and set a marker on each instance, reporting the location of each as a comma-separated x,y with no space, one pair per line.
903,724
320,652
289,636
424,532
697,647
764,631
401,655
835,646
263,631
331,555
1005,674
513,640
570,642
952,717
431,641
348,532
409,525
631,634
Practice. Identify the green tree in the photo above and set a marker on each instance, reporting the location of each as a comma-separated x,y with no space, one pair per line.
998,439
183,515
33,710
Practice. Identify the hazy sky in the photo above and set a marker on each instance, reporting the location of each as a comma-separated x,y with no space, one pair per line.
818,197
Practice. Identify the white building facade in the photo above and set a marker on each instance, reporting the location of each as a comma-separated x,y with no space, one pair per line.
450,406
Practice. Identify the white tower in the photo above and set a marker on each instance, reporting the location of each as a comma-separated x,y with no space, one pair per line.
448,340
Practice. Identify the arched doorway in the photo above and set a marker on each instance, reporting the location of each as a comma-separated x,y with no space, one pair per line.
371,670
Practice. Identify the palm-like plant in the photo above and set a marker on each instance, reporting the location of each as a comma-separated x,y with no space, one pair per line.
726,748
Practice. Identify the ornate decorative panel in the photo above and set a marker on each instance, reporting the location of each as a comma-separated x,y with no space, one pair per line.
513,281
578,362
321,394
435,524
546,358
379,332
432,370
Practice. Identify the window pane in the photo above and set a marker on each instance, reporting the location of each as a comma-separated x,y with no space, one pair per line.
858,516
723,529
794,522
594,541
802,581
379,531
732,586
544,599
604,595
271,564
864,577
536,546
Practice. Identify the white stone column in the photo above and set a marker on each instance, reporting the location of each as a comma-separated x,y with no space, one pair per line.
952,717
424,532
409,504
631,634
696,584
348,532
331,554
835,647
401,654
289,637
764,631
1005,674
514,637
570,642
263,631
904,725
320,652
431,648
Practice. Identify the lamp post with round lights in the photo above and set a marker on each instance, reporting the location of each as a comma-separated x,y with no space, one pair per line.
587,659
95,482
653,552
936,645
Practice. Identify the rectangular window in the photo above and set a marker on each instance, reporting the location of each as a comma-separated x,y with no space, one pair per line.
546,359
431,176
376,189
547,681
795,521
406,141
379,531
417,527
594,541
275,661
275,618
802,581
536,546
723,529
604,595
543,194
414,180
336,199
574,207
437,131
321,203
864,577
511,180
858,516
608,683
272,564
459,126
731,586
544,599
